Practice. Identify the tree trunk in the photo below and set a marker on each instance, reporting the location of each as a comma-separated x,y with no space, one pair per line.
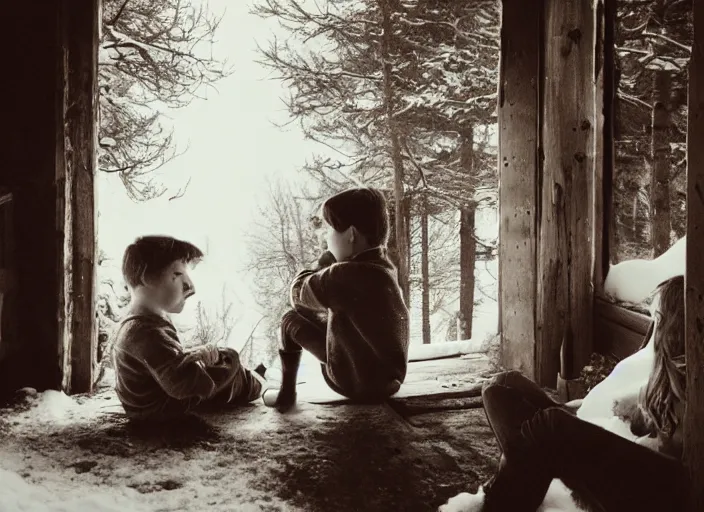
468,247
659,184
425,273
694,315
396,158
468,257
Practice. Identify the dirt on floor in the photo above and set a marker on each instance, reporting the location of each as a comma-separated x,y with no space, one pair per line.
319,458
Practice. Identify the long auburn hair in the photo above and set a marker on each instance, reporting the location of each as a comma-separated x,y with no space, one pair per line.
666,386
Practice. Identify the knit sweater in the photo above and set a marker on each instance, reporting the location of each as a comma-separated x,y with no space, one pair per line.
155,377
367,330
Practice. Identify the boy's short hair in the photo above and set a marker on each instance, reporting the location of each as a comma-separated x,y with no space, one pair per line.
364,208
148,256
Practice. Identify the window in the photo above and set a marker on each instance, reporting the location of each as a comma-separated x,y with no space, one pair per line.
652,41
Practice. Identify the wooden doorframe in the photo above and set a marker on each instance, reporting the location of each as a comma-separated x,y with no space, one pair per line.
694,275
76,208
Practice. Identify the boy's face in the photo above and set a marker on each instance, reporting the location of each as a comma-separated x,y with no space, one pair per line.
341,245
172,288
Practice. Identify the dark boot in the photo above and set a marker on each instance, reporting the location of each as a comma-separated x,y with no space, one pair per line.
286,396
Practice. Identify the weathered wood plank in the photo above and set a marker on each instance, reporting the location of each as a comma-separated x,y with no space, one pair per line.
618,332
8,280
81,18
565,253
518,142
694,277
609,110
603,143
633,320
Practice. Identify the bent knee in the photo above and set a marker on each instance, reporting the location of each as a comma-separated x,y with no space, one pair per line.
290,321
289,317
504,378
548,425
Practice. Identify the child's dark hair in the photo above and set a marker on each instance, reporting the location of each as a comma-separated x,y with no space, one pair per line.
148,256
363,208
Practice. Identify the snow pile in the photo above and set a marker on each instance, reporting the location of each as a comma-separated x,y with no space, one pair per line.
625,381
634,280
446,349
54,409
557,499
47,407
464,502
18,495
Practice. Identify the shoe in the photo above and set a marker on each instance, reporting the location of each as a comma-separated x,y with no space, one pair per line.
282,403
284,398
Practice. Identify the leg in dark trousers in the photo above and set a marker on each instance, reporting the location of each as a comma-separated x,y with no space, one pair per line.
240,388
541,443
298,331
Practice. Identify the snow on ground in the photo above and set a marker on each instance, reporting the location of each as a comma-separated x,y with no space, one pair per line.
70,454
446,349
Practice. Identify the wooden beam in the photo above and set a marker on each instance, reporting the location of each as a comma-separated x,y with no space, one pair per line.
81,20
565,252
518,144
618,332
604,98
694,275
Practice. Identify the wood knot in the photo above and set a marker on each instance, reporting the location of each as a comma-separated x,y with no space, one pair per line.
575,35
585,124
580,156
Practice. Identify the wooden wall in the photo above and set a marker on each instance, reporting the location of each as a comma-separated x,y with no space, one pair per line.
52,59
29,166
694,280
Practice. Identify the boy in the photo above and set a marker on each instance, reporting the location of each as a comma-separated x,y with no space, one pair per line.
350,312
154,378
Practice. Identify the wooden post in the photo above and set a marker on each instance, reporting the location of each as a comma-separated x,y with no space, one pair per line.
694,277
81,20
603,140
518,143
564,287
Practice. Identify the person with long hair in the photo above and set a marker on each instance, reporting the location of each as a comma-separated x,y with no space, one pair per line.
541,439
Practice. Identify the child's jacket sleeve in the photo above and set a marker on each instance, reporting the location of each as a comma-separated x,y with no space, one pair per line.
179,376
317,290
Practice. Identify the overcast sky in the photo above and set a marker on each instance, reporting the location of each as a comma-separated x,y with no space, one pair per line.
233,147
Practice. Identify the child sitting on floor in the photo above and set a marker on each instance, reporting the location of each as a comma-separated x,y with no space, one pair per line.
155,379
349,313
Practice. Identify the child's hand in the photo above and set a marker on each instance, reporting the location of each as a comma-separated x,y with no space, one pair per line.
209,355
626,408
326,259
